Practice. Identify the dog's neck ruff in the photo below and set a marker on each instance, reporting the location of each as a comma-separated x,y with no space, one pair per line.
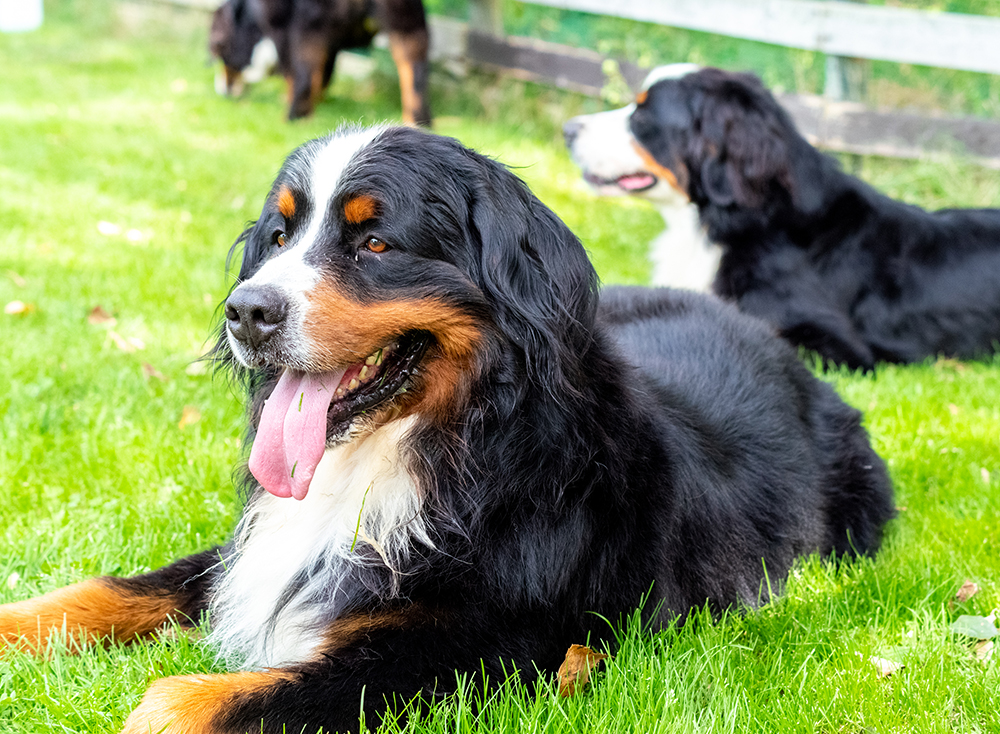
284,580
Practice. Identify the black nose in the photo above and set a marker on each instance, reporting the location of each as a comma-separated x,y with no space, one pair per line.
571,129
254,313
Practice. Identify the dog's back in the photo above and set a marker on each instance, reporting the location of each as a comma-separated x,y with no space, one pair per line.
762,454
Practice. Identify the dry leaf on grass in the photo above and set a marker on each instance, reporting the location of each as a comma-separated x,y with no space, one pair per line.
968,590
574,673
129,345
884,666
108,229
18,280
983,651
19,308
189,415
150,371
98,316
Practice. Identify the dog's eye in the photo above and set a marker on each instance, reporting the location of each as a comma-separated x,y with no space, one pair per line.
374,244
279,238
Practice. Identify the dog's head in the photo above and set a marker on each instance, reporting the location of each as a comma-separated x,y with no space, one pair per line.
603,147
389,272
236,40
725,140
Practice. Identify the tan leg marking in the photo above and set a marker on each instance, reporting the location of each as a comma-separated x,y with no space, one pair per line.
89,611
406,49
190,704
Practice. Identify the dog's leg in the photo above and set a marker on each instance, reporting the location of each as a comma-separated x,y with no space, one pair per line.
308,52
111,608
366,660
409,51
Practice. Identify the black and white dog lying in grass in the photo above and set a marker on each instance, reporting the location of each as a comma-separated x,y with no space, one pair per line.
466,458
833,264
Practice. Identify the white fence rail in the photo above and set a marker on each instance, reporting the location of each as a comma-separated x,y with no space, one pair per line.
949,40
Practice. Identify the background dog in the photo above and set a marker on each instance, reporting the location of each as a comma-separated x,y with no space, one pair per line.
602,146
487,460
833,264
306,36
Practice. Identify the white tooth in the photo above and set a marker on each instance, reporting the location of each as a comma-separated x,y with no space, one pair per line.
378,359
370,360
353,385
339,392
364,372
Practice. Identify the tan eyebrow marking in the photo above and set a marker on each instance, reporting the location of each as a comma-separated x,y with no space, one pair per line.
286,203
360,209
640,98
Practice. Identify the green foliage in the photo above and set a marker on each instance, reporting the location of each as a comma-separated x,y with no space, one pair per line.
108,115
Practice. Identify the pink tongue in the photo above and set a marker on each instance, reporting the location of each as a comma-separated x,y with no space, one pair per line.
636,181
291,436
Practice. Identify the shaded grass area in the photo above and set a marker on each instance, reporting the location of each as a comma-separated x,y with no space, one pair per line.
117,448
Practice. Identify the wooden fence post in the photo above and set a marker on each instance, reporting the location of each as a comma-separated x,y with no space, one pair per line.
486,17
846,79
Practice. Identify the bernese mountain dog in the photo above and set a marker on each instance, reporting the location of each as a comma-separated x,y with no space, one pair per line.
465,458
835,265
302,39
600,144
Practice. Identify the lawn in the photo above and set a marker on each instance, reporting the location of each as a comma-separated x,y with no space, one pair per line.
123,182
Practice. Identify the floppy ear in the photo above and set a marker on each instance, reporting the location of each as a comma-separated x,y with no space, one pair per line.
744,144
537,278
715,181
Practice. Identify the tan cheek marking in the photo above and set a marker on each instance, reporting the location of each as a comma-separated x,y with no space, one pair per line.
91,610
342,330
662,171
191,703
360,209
286,203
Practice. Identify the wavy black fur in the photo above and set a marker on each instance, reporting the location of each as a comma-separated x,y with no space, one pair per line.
835,265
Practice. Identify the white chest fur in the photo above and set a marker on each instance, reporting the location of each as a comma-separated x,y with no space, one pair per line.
682,255
361,492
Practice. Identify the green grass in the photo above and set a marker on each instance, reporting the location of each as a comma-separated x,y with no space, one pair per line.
109,117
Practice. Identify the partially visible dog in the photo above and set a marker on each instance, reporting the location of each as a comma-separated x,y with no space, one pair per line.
835,265
236,39
303,37
464,459
682,256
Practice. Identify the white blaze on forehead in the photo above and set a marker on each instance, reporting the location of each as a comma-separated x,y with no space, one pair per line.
670,71
326,167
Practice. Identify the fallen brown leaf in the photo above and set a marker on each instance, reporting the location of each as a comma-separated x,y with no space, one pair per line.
950,363
574,673
99,317
968,590
18,280
149,370
189,415
19,308
983,651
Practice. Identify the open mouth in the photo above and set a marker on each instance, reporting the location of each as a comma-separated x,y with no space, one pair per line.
305,409
630,182
367,384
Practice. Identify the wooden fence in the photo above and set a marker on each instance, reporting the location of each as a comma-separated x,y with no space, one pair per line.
850,29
